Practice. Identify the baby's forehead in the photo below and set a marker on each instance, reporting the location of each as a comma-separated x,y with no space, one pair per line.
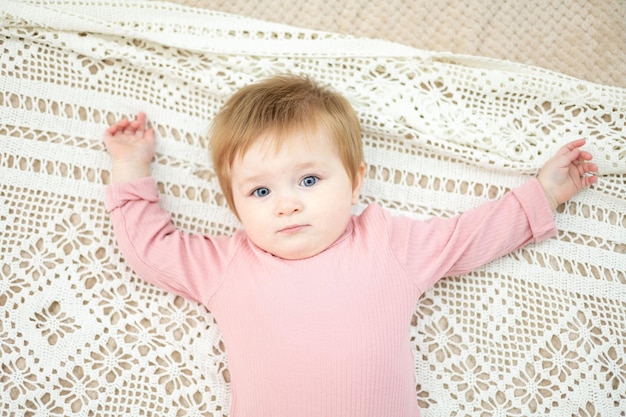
278,140
269,158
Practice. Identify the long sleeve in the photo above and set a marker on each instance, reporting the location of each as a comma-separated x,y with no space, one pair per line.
444,247
188,265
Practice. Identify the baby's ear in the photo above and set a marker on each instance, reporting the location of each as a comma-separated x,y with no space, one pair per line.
358,183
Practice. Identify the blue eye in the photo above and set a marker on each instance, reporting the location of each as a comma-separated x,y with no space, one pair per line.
261,192
309,181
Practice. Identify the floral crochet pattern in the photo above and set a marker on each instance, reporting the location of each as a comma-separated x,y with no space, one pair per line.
538,332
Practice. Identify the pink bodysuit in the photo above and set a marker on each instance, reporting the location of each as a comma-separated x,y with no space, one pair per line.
327,335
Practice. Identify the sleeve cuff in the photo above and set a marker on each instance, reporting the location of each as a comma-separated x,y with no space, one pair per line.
533,200
117,194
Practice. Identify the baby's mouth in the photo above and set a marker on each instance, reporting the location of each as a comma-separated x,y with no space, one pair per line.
294,228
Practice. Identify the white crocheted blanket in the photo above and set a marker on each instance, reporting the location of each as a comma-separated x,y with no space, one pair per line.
541,331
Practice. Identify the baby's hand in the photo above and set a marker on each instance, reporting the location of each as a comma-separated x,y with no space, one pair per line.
130,141
567,172
131,147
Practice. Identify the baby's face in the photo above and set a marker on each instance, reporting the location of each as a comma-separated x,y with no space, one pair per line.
293,202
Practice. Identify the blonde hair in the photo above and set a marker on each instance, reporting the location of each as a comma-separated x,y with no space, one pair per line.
279,106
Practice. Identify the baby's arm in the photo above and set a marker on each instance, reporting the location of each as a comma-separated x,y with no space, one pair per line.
566,173
188,265
131,147
442,247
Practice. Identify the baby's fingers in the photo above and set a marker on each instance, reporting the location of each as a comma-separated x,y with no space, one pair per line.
133,128
588,170
149,135
118,127
138,126
573,145
585,156
589,177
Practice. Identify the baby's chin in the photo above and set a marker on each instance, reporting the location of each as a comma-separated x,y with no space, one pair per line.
298,243
295,252
294,255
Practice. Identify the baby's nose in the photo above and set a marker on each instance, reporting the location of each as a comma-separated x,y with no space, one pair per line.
288,204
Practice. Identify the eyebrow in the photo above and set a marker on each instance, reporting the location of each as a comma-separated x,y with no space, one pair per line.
259,179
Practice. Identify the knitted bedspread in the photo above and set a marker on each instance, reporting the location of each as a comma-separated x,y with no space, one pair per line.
586,39
540,331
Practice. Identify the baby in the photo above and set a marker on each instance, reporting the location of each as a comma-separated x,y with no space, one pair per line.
314,304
